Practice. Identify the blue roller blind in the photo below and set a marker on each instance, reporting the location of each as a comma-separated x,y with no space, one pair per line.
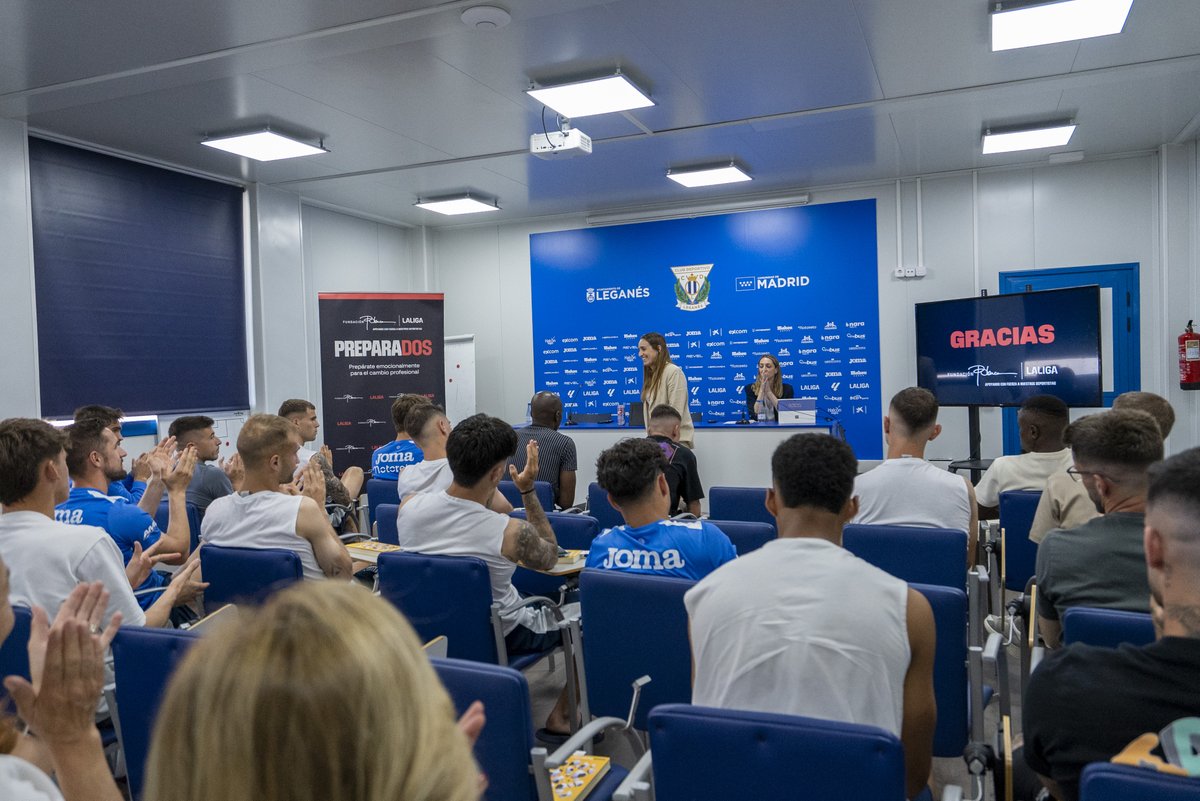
139,281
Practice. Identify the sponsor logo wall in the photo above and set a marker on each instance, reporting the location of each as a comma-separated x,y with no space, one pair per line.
801,283
373,348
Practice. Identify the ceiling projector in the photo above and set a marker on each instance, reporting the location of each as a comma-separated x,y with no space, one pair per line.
560,144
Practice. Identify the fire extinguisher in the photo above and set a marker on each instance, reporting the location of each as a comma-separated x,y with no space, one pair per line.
1189,358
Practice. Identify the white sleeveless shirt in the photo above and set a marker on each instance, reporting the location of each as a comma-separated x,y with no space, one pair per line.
801,627
912,492
437,523
259,520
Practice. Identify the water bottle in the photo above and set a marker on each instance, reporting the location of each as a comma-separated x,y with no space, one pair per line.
621,414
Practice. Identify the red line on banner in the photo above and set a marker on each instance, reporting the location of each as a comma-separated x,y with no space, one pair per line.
381,296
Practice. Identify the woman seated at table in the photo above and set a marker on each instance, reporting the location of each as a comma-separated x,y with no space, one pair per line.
321,693
763,395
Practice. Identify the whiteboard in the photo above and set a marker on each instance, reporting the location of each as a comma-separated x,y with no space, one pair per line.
460,377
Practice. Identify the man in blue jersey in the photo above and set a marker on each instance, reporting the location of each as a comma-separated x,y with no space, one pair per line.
94,460
143,485
632,473
388,460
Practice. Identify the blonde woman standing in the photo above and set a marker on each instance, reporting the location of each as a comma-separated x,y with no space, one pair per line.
664,382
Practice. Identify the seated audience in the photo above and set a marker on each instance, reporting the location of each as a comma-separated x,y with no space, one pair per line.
264,516
764,393
1065,502
906,490
1041,423
556,451
683,476
145,479
429,427
49,559
342,491
1101,563
457,522
1085,704
95,460
58,706
803,627
632,473
321,693
209,481
391,459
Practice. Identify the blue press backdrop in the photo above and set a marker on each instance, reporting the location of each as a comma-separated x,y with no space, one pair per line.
799,282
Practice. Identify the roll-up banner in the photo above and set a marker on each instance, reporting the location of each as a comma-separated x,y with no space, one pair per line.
374,348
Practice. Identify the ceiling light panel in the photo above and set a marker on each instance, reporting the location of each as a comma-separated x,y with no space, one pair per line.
1028,25
457,205
599,96
264,146
1027,139
708,176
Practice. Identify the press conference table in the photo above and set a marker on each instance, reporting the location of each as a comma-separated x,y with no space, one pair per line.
727,455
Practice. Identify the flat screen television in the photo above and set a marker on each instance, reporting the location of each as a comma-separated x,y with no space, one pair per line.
1001,349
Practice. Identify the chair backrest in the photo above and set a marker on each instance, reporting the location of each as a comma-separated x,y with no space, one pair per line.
601,509
545,494
746,536
502,749
162,516
14,653
1103,781
449,596
574,532
739,503
1106,627
950,687
703,754
1016,518
633,626
143,659
385,523
910,553
380,490
246,575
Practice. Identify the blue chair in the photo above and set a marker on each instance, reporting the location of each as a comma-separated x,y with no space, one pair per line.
385,523
704,754
545,494
950,678
503,748
739,503
633,626
14,653
1103,781
601,509
162,516
744,535
380,491
143,659
246,575
574,532
448,596
1019,553
1106,627
910,553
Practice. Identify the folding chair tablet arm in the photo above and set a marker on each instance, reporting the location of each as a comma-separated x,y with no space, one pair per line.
498,626
637,785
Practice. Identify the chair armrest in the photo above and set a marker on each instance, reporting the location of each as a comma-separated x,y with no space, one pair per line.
951,792
581,738
635,787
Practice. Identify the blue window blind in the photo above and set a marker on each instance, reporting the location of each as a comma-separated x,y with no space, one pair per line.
139,281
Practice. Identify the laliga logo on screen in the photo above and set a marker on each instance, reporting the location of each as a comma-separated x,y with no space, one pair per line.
692,286
834,386
570,393
981,371
611,392
348,398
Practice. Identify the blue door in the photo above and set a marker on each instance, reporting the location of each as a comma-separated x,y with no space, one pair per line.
1119,326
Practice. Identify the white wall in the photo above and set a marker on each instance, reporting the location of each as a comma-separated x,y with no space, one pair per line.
18,346
972,226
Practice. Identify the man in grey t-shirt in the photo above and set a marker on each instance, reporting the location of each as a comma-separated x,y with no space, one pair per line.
1101,563
209,481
